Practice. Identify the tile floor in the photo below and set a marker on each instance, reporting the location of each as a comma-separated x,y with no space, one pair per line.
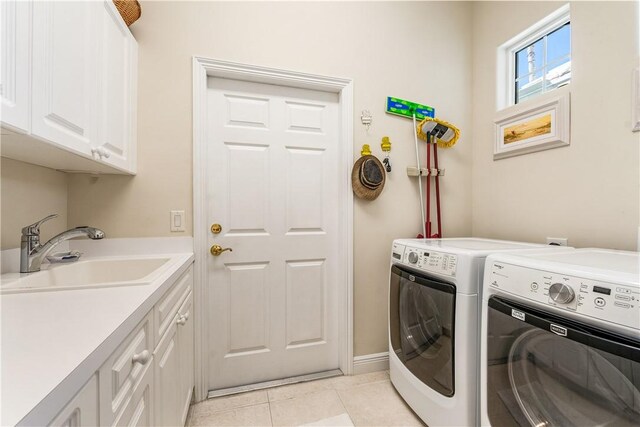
360,400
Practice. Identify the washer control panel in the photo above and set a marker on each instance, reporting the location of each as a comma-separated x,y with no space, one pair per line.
616,303
425,259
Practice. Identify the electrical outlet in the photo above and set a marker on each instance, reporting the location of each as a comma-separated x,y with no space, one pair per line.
177,221
557,241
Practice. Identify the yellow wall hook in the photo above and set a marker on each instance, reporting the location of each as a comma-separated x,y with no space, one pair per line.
366,150
386,144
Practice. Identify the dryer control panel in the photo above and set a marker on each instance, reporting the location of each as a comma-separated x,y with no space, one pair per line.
425,259
616,303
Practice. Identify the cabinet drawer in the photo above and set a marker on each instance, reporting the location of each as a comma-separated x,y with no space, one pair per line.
165,310
122,372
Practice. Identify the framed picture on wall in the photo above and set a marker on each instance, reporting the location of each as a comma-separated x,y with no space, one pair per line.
536,124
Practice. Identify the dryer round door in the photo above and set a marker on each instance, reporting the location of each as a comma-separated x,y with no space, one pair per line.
547,371
421,327
421,322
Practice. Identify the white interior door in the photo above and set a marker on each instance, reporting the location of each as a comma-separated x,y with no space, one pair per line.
273,186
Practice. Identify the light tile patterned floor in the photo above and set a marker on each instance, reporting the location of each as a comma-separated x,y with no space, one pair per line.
360,400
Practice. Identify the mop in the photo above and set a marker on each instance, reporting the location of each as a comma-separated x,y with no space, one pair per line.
415,137
436,133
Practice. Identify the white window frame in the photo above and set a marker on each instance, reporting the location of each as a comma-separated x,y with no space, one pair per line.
506,66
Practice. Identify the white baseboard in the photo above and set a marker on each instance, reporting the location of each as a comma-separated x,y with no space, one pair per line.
370,363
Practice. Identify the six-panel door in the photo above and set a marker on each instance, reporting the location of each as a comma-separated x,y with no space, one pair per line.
273,186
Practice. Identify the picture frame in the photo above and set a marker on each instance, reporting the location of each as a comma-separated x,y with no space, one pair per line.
534,125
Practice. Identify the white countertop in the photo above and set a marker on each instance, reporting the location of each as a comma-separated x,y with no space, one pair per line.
53,341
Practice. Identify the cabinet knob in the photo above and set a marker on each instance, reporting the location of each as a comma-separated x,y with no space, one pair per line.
142,358
103,152
181,320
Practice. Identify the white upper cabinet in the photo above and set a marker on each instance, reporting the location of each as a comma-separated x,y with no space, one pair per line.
118,68
65,79
80,61
15,91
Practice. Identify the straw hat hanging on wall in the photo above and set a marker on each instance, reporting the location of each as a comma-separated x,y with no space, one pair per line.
368,177
130,10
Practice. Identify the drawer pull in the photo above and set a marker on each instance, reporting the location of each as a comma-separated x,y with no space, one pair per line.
142,357
181,320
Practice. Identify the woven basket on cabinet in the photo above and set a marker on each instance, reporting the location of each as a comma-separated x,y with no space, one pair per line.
130,10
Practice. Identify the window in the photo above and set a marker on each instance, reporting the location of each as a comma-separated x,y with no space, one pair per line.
544,64
536,61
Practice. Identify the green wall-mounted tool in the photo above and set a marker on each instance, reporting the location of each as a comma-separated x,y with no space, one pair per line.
403,108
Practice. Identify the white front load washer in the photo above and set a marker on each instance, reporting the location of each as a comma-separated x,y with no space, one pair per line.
561,339
434,318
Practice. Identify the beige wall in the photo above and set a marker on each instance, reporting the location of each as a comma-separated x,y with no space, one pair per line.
29,193
588,191
380,45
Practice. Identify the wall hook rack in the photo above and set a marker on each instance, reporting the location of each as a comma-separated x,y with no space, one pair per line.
413,171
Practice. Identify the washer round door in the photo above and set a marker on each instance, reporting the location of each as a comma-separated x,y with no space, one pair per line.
546,371
421,327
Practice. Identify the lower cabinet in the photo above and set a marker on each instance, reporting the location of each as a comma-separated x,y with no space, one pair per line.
167,373
83,409
186,350
148,380
123,373
138,411
174,368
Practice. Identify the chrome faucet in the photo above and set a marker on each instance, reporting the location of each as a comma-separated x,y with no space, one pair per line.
32,252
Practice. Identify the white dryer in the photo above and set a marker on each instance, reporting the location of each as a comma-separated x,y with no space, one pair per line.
561,339
434,313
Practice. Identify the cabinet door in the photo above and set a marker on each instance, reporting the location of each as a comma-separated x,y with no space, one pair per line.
83,408
15,63
186,346
138,411
121,373
65,82
118,71
167,379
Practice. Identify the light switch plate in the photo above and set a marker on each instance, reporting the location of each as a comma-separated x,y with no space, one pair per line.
177,221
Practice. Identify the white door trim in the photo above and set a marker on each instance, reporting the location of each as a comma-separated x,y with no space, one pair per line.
203,68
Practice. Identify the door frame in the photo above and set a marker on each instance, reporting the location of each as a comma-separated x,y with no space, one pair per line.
204,68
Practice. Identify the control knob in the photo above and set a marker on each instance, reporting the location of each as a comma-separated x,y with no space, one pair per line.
561,293
413,257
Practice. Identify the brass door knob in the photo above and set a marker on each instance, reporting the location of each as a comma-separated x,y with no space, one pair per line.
217,250
216,228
